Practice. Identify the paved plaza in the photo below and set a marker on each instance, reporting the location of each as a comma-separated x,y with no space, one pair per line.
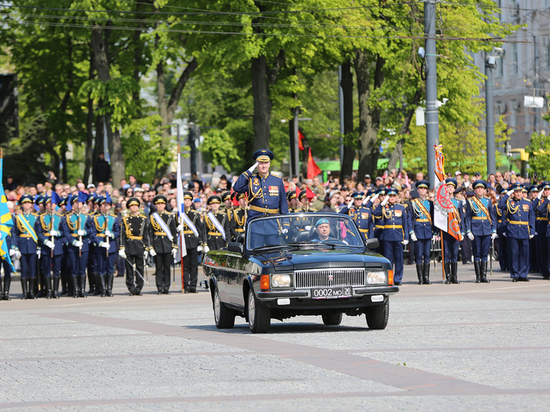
466,347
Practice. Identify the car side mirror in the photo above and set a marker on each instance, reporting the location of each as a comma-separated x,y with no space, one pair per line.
372,243
235,247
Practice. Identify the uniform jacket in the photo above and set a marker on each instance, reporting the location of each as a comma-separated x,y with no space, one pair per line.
520,217
543,212
159,240
266,195
99,225
134,234
480,220
22,238
192,241
42,227
394,222
214,237
73,222
238,222
363,218
421,217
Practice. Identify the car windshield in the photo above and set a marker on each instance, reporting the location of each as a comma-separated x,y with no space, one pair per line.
303,228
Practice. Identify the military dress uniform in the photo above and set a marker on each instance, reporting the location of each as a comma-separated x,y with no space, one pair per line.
481,224
134,243
216,226
541,222
93,264
394,232
65,268
26,242
450,243
520,218
76,229
51,239
240,215
163,243
503,258
543,231
101,240
5,287
195,241
362,216
225,197
421,213
266,197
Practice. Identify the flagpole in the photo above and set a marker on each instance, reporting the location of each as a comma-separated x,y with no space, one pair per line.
442,256
182,238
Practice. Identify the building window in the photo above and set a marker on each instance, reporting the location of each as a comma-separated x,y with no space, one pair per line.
512,118
527,120
546,52
515,58
500,66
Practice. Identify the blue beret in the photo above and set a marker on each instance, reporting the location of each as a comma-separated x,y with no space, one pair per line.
321,221
263,155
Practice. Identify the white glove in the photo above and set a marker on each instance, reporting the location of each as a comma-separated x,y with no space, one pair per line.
413,237
50,244
199,249
81,232
531,236
55,233
17,255
180,228
122,253
12,252
284,231
366,199
470,236
175,252
494,236
38,252
206,249
374,197
384,201
539,195
509,192
254,166
350,204
145,255
405,242
78,244
307,227
152,253
108,233
106,245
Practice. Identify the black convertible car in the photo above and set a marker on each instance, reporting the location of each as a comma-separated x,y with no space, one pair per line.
299,264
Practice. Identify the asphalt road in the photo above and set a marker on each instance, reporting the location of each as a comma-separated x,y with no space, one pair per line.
466,347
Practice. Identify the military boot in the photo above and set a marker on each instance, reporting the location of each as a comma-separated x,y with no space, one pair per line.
448,274
102,285
32,282
76,286
426,274
477,267
24,287
55,287
48,283
483,272
419,273
7,282
97,285
82,292
454,270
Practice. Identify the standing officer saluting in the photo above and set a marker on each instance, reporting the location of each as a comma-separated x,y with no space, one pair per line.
361,214
134,246
217,224
164,243
393,219
520,229
421,212
480,228
266,197
26,242
451,244
195,242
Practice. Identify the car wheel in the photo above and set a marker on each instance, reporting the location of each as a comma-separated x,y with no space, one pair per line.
332,319
224,317
377,316
259,316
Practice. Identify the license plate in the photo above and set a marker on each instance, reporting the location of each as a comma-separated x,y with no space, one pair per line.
331,293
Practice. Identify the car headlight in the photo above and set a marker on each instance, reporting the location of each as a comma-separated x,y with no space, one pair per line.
376,277
280,281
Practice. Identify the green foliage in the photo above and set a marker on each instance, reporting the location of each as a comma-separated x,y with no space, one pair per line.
219,149
539,154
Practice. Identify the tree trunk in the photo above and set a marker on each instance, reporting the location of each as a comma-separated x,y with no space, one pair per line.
88,157
405,127
347,91
262,104
64,172
369,114
102,66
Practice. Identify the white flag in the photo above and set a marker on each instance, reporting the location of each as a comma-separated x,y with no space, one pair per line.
181,209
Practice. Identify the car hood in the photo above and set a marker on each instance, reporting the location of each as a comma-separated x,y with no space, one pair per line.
285,261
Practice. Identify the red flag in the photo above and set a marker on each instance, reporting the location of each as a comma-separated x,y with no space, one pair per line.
300,140
312,168
309,194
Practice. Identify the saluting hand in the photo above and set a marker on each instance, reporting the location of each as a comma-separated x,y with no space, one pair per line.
254,166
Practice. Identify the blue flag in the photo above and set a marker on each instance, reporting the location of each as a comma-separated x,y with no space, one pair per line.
82,197
108,198
55,198
6,222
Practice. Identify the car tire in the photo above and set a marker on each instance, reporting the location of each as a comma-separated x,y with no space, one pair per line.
377,316
259,316
332,319
224,317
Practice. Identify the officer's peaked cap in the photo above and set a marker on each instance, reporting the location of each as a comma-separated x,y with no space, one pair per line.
133,201
263,155
160,199
480,183
213,199
451,181
423,184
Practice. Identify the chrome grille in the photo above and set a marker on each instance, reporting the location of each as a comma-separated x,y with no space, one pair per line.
326,278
